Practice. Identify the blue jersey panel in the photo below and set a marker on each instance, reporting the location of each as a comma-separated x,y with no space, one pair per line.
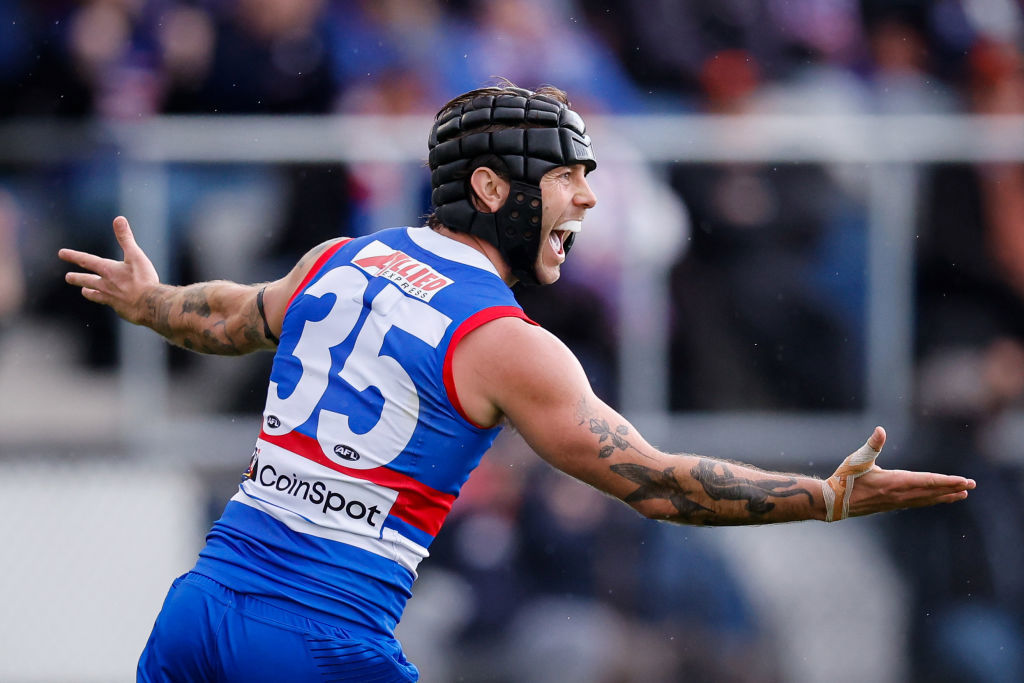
254,553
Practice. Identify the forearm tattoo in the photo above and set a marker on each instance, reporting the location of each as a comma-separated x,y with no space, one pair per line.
197,327
659,485
158,311
718,483
195,301
725,486
715,478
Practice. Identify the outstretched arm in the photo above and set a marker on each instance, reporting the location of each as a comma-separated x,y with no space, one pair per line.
216,317
509,368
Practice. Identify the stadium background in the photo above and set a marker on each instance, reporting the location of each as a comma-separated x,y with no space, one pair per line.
810,221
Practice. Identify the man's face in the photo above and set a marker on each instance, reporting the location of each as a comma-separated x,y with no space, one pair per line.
565,197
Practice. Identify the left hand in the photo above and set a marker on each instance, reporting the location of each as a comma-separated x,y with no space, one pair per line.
122,285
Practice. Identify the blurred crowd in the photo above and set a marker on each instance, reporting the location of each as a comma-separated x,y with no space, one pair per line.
766,262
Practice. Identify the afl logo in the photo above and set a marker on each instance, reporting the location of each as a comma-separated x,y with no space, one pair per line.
345,452
273,422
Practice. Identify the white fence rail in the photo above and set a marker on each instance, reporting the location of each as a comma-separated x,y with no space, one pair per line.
888,149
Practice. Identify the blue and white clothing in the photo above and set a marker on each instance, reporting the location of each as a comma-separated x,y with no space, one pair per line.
364,445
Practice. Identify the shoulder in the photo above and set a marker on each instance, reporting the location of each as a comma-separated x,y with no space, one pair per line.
279,292
309,260
503,360
511,354
311,256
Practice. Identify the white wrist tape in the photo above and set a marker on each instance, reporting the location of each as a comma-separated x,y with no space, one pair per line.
838,488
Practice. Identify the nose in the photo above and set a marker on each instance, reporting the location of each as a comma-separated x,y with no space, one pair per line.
585,196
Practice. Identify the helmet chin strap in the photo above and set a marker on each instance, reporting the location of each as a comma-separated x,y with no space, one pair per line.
515,230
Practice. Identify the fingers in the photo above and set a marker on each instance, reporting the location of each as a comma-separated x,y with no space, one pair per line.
113,283
954,482
125,238
932,481
877,439
952,497
935,499
134,256
96,296
96,264
931,498
83,280
90,285
838,489
124,235
895,489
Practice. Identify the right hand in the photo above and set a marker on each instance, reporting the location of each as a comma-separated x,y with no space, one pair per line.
122,285
878,490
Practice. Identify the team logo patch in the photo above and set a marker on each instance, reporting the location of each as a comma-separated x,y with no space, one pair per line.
415,278
346,452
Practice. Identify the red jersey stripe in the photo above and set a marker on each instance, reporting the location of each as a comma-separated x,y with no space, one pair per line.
331,250
417,504
471,323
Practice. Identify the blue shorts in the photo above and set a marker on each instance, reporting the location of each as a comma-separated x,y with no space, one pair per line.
207,632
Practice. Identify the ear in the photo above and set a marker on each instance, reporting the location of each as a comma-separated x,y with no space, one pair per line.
490,190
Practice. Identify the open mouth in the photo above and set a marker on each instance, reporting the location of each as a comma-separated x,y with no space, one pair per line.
558,237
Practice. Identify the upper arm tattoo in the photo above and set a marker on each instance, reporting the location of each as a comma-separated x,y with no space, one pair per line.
609,439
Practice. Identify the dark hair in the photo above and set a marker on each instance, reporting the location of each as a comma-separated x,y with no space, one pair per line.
491,161
505,87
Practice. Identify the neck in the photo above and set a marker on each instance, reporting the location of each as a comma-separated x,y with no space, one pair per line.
485,248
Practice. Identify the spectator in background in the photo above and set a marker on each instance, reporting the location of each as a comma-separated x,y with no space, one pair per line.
540,41
968,570
73,60
387,53
970,286
261,57
751,328
250,57
256,57
266,57
901,77
56,55
664,44
390,54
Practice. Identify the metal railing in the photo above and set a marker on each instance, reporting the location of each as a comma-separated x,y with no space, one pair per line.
889,148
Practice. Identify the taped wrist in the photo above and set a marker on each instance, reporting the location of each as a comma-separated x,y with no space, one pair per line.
838,488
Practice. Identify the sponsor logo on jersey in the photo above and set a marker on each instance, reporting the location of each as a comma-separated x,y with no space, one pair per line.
415,278
317,494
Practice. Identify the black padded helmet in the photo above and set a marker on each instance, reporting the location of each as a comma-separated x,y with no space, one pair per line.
519,133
